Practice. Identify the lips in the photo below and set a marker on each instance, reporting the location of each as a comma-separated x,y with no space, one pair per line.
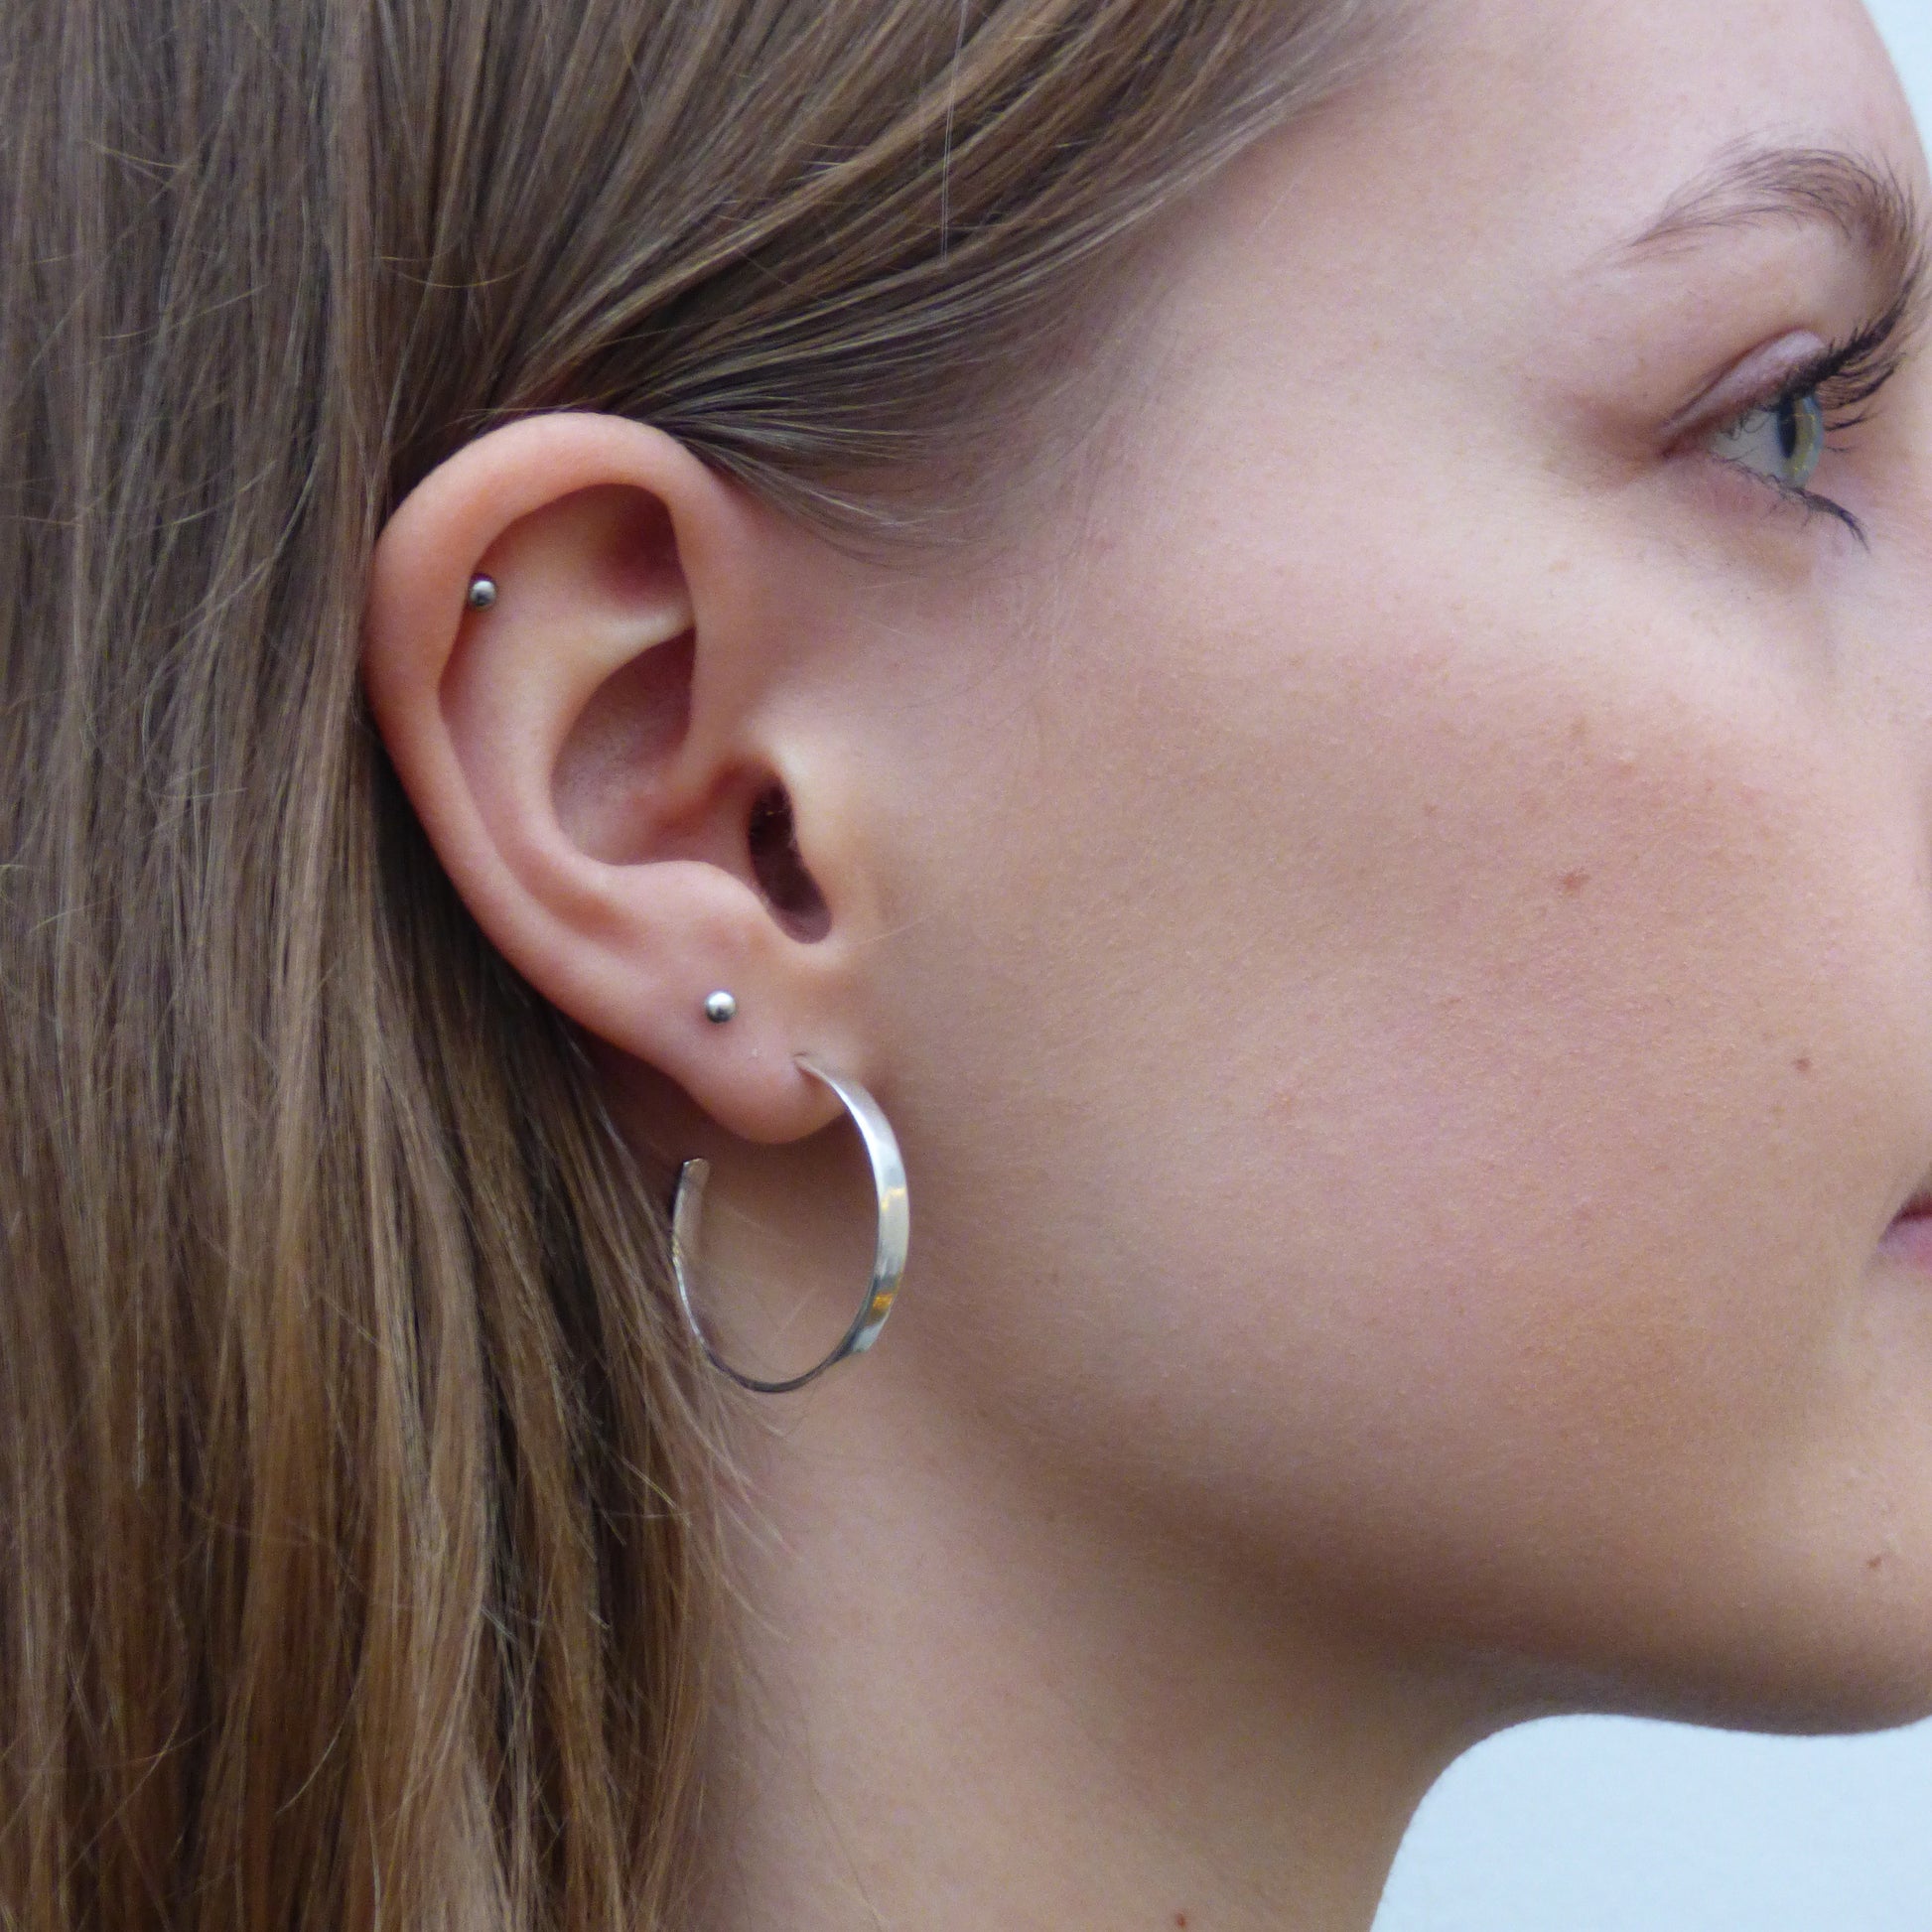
1911,1234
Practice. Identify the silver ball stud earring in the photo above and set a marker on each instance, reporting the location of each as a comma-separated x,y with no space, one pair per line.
719,1006
483,593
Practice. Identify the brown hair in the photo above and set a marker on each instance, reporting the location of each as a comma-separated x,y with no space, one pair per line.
355,1534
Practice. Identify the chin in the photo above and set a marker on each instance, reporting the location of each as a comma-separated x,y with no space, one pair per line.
1797,1659
1798,1705
1837,1675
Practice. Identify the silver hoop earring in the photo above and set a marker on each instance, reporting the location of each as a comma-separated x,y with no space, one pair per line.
889,1254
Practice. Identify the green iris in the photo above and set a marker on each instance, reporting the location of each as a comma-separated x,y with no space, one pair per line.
1784,440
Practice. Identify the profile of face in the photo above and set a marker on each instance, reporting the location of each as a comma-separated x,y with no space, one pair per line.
1430,871
1390,904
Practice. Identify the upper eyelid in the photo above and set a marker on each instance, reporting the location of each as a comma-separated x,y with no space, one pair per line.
1723,402
1820,376
1876,350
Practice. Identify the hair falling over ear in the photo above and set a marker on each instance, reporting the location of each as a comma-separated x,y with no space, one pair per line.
355,1542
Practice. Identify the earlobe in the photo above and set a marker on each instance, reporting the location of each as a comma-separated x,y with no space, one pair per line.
582,744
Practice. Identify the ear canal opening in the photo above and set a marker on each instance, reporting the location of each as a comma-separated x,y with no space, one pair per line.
779,866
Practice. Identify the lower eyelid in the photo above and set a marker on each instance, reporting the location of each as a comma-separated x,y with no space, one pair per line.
1738,490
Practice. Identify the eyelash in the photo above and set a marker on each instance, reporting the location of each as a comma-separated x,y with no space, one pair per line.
1846,379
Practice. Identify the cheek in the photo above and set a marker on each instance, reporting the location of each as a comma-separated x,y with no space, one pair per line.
1458,1085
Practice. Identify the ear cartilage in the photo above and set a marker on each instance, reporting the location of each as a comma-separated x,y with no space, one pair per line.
719,1006
483,593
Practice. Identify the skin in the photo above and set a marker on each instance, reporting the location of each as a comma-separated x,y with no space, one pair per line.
1393,923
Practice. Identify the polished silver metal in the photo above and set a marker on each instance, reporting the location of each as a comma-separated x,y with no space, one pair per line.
483,593
719,1006
889,1252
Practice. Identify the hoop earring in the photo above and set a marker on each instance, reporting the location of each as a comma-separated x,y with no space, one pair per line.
889,1254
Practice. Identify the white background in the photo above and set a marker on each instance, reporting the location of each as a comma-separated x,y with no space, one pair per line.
1598,1825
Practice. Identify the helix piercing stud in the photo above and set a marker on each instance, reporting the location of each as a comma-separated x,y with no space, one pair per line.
483,593
719,1006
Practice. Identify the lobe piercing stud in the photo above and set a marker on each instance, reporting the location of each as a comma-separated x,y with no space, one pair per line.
719,1006
483,593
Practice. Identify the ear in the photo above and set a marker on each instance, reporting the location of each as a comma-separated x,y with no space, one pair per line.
603,761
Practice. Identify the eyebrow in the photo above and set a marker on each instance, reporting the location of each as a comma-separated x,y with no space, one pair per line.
1865,202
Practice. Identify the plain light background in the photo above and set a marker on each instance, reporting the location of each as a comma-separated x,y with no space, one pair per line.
1603,1825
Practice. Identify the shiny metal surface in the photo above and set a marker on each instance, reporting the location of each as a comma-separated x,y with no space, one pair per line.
889,1254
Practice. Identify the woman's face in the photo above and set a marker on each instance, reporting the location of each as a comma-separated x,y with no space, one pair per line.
1407,975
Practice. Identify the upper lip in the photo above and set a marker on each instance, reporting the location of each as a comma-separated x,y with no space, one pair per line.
1921,1203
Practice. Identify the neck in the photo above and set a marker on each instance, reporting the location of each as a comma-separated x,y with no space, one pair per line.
959,1702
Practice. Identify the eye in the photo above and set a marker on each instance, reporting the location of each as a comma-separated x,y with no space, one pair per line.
1782,441
1782,436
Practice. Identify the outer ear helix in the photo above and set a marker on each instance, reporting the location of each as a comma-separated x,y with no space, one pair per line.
889,1252
537,610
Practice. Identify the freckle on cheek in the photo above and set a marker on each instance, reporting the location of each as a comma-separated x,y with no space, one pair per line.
1574,883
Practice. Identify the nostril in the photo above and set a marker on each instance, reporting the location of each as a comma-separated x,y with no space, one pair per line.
779,866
